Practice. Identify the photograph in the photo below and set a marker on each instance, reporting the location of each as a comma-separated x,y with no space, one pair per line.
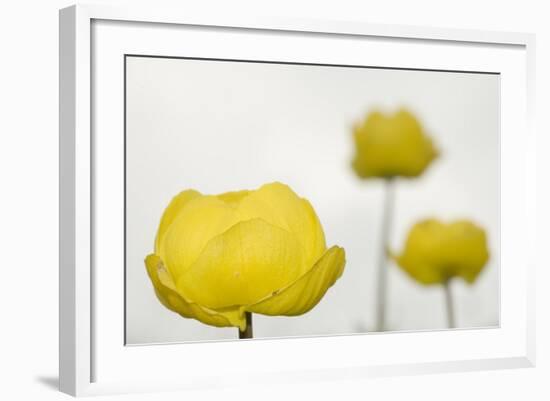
268,199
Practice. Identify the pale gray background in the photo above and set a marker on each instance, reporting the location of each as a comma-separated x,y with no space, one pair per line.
219,126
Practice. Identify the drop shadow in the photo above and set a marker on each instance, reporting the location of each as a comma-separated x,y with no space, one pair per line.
52,382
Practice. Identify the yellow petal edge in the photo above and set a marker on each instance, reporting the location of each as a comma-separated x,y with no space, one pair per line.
306,292
167,294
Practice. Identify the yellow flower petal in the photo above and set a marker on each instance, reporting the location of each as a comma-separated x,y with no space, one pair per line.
202,219
435,252
244,264
391,145
277,204
233,198
469,251
167,294
171,212
306,292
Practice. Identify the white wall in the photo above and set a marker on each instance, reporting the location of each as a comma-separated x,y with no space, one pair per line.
28,216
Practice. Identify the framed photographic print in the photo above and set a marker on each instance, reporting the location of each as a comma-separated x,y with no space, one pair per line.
274,200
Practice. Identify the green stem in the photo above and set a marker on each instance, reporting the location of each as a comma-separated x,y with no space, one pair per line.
247,333
383,257
449,304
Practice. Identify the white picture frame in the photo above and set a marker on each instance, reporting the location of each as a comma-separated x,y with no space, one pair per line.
93,358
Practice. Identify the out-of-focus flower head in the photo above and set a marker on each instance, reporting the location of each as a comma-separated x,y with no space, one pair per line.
435,251
391,145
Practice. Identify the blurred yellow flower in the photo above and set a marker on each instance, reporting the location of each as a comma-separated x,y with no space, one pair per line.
393,145
436,252
261,251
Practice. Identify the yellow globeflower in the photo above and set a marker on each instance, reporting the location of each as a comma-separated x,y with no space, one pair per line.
393,145
436,252
263,251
